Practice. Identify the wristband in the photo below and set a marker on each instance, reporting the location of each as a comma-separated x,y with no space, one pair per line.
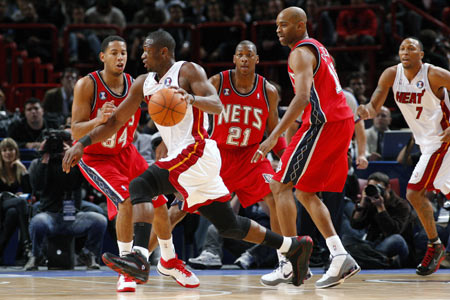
193,99
85,140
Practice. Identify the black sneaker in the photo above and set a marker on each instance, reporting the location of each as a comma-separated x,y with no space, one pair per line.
133,265
299,254
433,257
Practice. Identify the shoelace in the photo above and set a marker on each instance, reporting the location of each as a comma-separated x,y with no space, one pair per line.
428,256
279,269
181,267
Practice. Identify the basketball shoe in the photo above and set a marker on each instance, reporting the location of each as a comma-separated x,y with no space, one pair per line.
124,284
134,265
176,269
282,274
342,266
206,260
433,257
299,254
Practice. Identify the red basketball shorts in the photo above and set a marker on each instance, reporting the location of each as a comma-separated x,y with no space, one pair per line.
112,174
316,158
250,181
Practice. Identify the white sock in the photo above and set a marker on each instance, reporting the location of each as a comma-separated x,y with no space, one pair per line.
124,248
335,246
437,242
167,249
287,242
144,251
281,257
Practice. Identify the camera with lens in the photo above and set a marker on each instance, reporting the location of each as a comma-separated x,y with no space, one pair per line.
374,190
54,141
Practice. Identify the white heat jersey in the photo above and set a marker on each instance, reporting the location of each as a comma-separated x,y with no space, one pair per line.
176,137
193,160
426,115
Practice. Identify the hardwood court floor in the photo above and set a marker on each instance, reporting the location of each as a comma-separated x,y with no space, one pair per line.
221,284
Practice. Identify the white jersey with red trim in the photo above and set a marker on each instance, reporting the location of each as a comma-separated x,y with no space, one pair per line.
426,114
194,124
193,159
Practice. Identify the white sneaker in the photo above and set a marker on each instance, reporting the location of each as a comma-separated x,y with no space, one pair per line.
342,266
124,284
282,274
177,270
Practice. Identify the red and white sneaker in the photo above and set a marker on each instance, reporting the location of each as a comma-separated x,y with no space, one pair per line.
177,270
124,284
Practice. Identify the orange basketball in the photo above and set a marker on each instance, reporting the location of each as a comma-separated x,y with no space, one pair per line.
166,107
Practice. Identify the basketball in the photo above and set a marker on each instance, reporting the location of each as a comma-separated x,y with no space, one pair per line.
166,107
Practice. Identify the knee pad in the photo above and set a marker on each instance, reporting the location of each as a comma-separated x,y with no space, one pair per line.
142,191
236,230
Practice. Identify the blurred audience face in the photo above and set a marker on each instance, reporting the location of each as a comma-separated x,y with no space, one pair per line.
383,119
78,15
274,7
9,151
214,12
104,6
34,114
9,154
176,14
358,86
2,100
68,81
2,8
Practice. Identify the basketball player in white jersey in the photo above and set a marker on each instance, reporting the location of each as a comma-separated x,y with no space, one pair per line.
421,92
192,167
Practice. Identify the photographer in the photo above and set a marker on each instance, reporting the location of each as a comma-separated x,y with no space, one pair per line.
386,217
60,200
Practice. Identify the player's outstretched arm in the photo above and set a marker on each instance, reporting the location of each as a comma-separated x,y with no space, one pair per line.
203,94
122,115
302,61
379,96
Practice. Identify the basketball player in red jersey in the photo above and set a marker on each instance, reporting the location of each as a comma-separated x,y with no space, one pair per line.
316,158
250,109
106,165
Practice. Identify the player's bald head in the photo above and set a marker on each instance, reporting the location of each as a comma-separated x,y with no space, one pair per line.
293,14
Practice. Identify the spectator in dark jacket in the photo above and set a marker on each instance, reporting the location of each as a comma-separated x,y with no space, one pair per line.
385,216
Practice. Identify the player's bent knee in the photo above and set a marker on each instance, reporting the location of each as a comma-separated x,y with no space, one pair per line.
237,230
141,191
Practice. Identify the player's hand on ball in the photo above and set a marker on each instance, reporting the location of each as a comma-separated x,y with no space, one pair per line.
184,95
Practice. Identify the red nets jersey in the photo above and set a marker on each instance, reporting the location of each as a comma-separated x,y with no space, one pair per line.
327,101
103,94
243,120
